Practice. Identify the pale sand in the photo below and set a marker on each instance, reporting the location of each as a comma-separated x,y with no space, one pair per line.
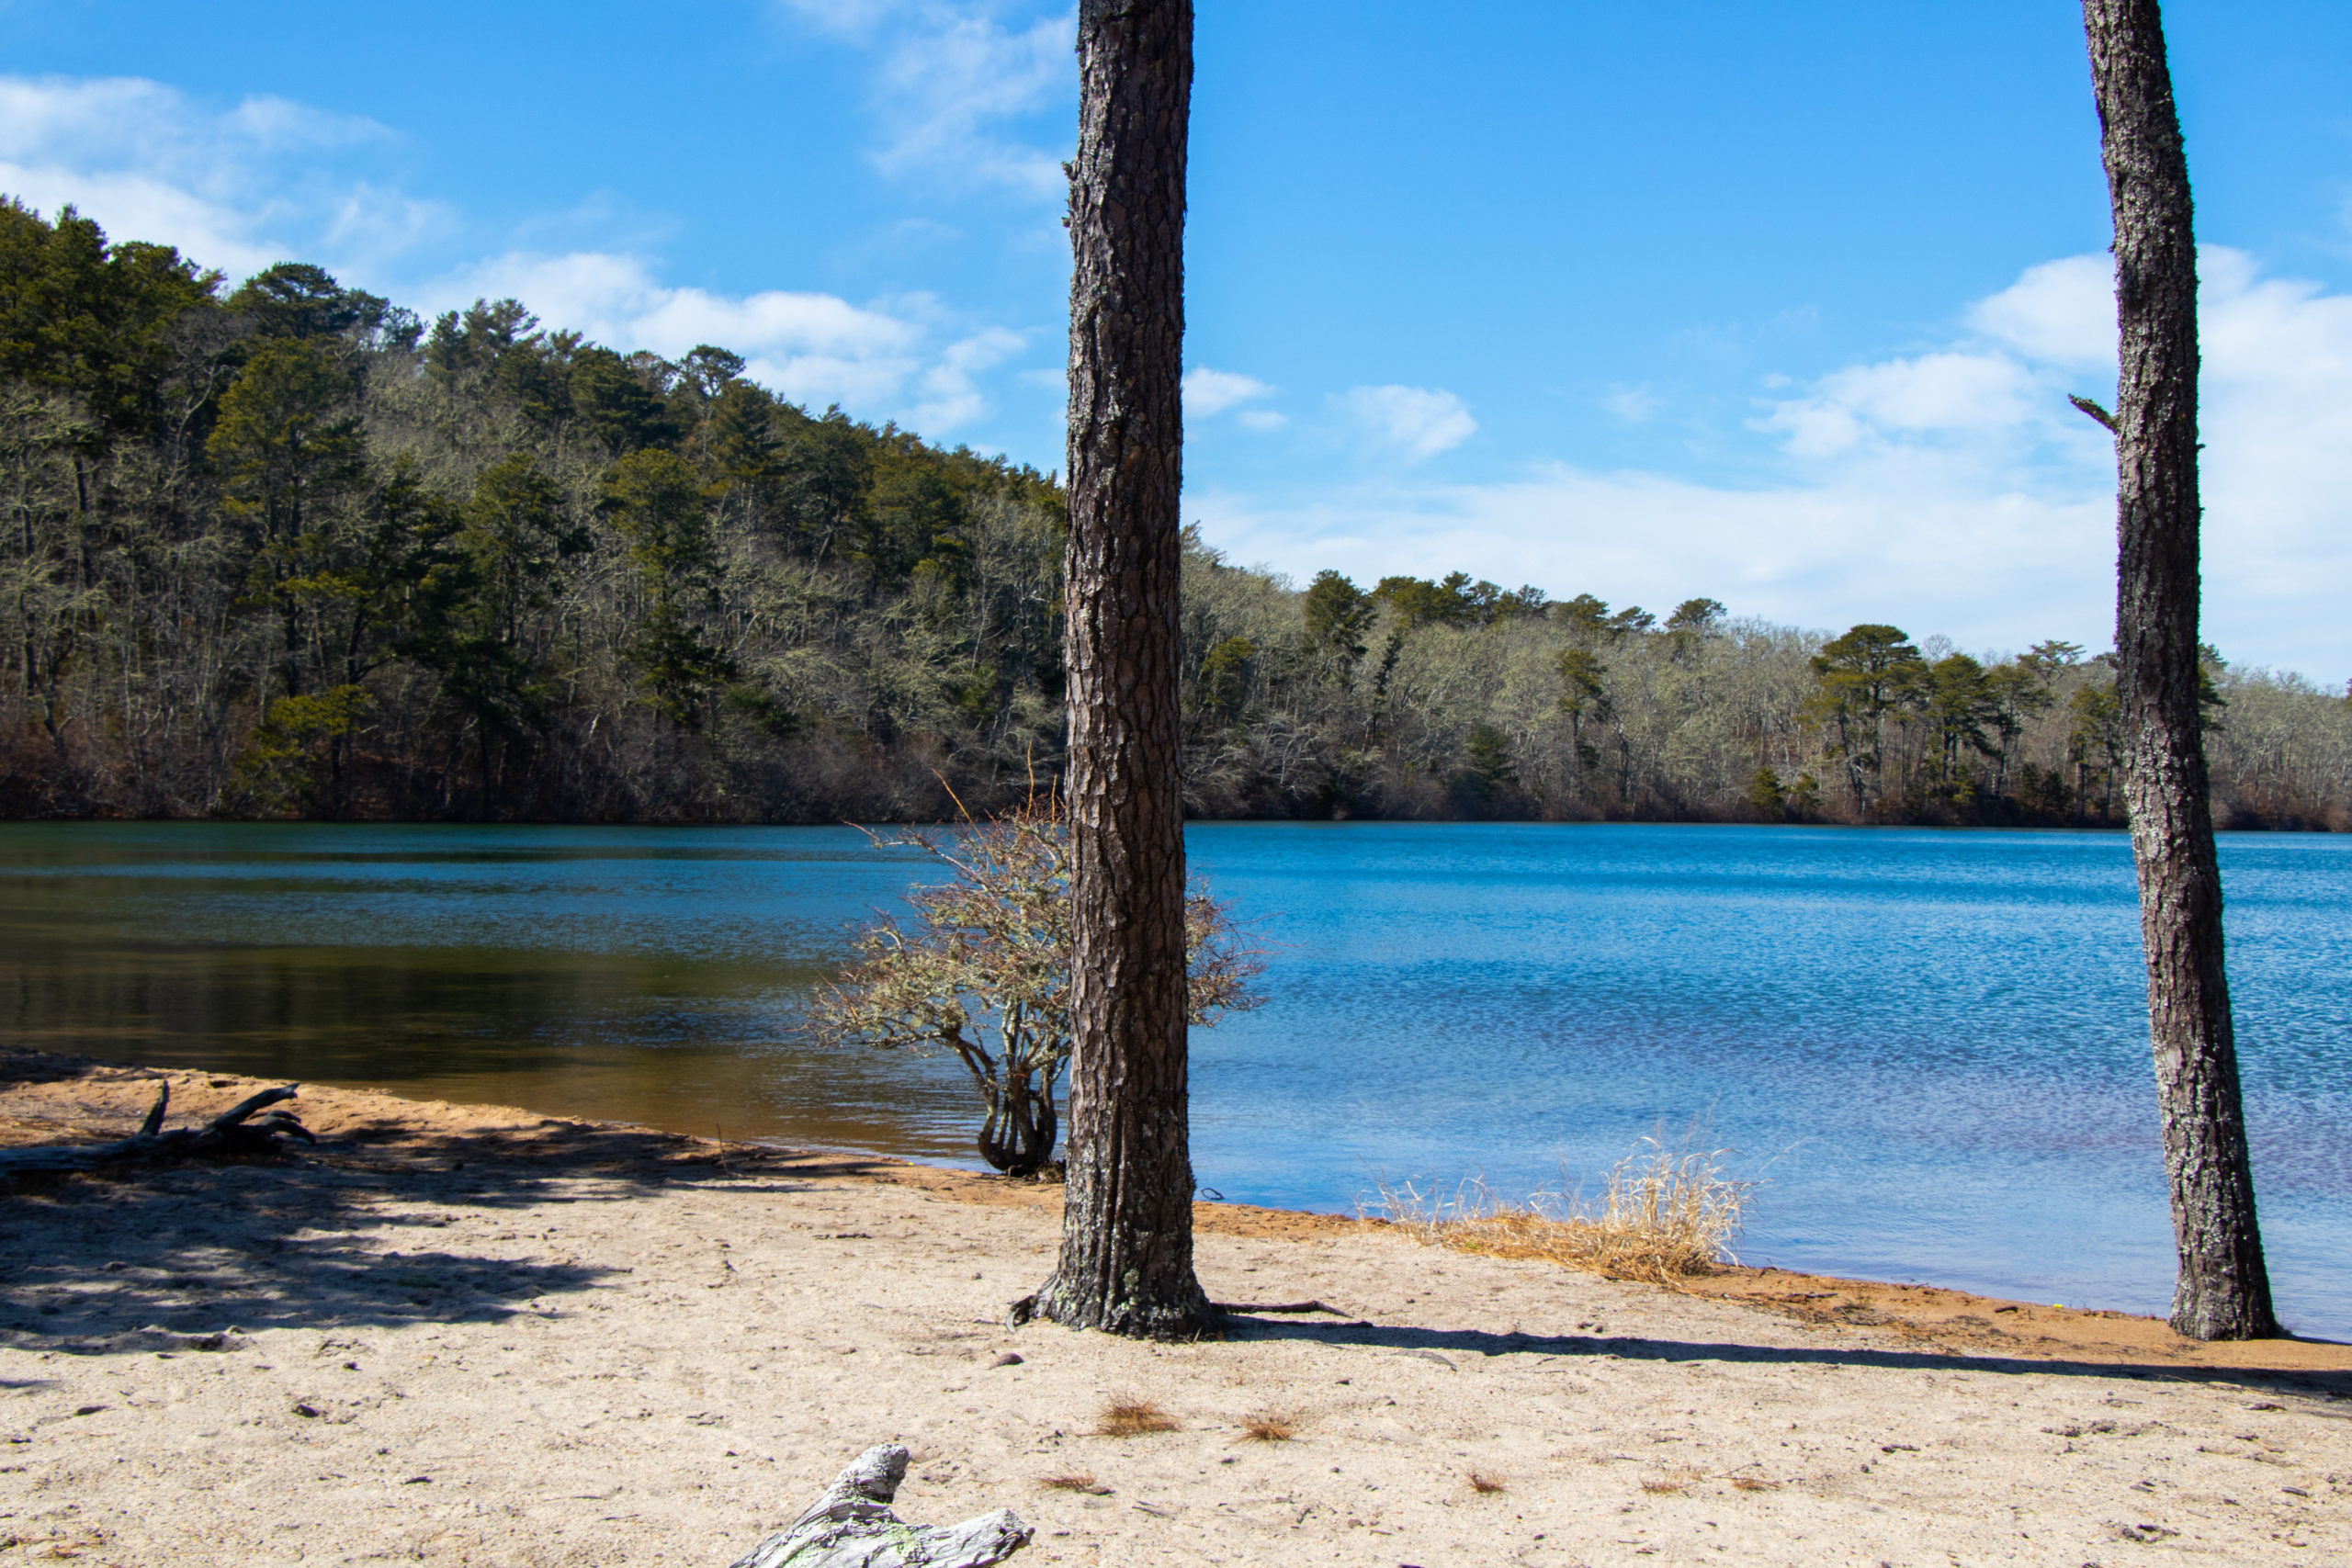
472,1335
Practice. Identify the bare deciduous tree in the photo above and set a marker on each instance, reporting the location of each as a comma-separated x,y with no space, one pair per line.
2224,1291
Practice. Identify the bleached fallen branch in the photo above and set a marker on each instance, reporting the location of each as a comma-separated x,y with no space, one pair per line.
852,1527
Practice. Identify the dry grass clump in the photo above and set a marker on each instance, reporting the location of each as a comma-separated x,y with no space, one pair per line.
1268,1428
1672,1481
1132,1416
1666,1214
1753,1483
1082,1481
1485,1484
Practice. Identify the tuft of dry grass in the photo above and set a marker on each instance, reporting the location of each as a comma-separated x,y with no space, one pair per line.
1082,1481
1266,1427
1680,1479
1666,1214
1132,1416
1485,1484
1753,1483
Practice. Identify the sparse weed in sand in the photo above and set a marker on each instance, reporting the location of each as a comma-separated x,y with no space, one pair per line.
1081,1481
1486,1484
1672,1481
1753,1483
1132,1416
1666,1214
1267,1428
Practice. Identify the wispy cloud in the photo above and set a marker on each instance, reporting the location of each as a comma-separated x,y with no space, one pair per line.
1416,423
905,358
1208,393
1634,405
241,186
236,186
957,87
1947,490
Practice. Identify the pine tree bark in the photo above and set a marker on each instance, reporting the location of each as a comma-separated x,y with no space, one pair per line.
2224,1289
1127,1256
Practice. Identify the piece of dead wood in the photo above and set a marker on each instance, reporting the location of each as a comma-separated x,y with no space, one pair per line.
1277,1306
235,1134
852,1527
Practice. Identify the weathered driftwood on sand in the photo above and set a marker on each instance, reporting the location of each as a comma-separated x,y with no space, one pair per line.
852,1527
233,1135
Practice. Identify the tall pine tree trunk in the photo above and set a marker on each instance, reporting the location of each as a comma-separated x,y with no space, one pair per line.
1127,1257
2224,1291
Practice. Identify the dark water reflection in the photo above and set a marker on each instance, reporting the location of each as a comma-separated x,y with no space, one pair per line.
1939,1035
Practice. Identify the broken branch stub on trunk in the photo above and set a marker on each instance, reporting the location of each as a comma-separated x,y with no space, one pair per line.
851,1525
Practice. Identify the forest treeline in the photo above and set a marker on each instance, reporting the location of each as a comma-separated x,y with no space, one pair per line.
284,549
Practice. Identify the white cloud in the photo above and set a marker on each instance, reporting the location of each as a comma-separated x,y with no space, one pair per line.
952,80
900,359
1899,539
845,18
1950,491
236,188
1208,393
1262,420
1933,394
2061,313
242,187
1419,421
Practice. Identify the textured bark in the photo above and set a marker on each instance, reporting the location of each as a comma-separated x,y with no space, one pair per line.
1127,1257
2224,1291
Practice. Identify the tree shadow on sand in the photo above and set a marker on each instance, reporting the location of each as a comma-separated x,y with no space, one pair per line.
1446,1345
362,1234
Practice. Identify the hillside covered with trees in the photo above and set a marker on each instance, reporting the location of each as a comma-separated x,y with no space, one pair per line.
284,549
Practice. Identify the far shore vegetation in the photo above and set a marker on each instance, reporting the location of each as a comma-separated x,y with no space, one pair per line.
283,550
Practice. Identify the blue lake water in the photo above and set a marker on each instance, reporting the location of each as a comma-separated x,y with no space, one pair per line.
1931,1045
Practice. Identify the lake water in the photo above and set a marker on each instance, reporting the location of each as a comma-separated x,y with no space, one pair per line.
1932,1044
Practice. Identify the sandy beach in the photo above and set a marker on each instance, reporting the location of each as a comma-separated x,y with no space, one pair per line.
474,1334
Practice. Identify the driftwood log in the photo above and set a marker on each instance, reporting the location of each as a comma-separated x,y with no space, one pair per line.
852,1527
238,1133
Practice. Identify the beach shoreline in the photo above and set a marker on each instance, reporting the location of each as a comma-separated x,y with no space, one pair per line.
542,1316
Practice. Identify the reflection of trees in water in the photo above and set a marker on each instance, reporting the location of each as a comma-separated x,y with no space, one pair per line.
613,1036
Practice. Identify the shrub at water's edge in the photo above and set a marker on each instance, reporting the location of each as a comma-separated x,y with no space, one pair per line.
980,970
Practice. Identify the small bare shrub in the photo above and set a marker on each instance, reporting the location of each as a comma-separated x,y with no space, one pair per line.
1268,1428
1666,1214
1484,1484
1083,1480
1131,1415
1753,1483
980,971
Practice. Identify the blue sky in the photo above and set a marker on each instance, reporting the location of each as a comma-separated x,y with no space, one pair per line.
1776,303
